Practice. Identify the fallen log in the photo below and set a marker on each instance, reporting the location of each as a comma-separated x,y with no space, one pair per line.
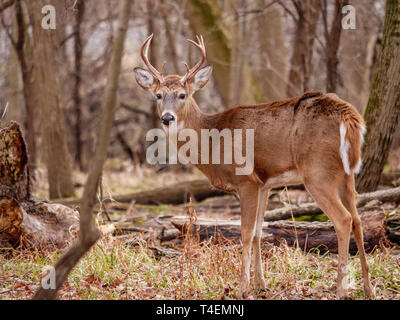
23,220
310,236
313,209
175,194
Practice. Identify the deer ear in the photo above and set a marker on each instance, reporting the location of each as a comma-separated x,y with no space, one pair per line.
201,78
144,78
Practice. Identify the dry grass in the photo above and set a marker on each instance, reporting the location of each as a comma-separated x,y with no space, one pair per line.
112,270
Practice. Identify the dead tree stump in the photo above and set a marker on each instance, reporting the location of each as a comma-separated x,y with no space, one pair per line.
24,220
14,175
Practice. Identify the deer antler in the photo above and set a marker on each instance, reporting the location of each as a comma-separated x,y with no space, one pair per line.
190,72
144,53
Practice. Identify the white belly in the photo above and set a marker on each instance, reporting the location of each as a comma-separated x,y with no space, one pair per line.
287,178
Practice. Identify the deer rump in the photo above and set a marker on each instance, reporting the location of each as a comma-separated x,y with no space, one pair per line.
351,125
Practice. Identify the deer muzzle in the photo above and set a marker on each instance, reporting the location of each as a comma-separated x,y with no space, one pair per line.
167,118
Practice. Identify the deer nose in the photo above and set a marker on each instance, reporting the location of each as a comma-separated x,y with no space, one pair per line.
167,118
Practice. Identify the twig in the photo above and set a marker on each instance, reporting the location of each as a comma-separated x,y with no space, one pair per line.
5,112
291,213
6,5
102,205
133,109
288,11
9,290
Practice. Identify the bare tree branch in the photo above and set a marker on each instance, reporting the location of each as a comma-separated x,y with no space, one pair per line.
288,11
88,233
6,4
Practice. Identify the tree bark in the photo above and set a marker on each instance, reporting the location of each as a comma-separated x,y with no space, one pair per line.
301,61
170,37
30,95
80,7
15,86
272,60
332,46
14,174
36,225
88,232
318,236
153,28
57,157
237,41
205,18
6,4
383,109
356,55
24,221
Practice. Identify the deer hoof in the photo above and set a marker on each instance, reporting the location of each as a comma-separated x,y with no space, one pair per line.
260,285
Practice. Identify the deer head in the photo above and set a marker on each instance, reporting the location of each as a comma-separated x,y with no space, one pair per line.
172,92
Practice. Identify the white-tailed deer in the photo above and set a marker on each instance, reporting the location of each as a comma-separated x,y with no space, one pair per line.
314,139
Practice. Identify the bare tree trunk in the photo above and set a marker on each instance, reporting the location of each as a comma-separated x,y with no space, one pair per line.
204,16
88,233
301,60
205,19
170,36
312,14
272,64
57,157
15,86
238,58
80,7
29,86
332,46
154,54
357,50
383,109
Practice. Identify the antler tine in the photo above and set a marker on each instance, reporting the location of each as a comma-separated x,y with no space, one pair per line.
163,68
201,42
187,67
144,52
199,45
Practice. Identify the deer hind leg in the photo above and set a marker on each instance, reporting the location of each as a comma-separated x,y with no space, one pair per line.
259,281
348,196
248,194
325,193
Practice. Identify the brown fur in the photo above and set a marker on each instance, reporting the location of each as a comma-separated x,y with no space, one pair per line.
278,127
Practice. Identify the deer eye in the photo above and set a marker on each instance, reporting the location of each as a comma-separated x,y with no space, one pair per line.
158,96
182,96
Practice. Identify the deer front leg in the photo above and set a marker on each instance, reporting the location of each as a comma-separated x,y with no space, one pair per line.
248,204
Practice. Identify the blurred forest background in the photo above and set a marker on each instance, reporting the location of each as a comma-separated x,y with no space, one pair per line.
261,50
72,91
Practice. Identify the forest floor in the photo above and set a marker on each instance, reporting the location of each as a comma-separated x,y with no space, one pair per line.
113,270
119,269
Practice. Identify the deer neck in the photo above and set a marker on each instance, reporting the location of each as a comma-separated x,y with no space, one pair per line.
197,120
